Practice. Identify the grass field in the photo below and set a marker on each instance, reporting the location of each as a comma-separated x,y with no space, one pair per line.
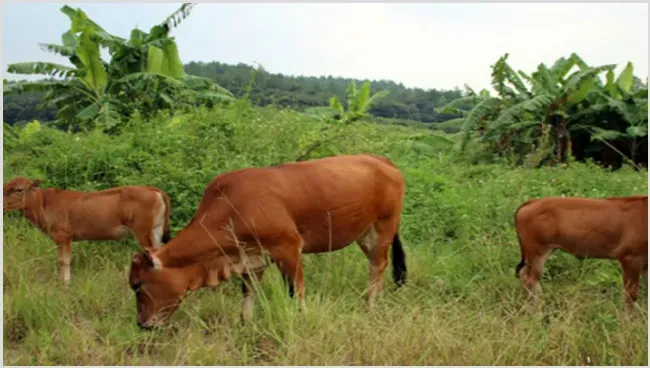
462,304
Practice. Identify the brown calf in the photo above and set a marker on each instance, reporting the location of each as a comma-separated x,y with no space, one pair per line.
587,228
281,212
67,216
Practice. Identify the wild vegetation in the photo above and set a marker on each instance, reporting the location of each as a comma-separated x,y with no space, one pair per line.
144,75
285,91
462,304
548,110
301,92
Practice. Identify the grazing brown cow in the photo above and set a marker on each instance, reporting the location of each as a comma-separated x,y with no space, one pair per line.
587,228
67,216
277,212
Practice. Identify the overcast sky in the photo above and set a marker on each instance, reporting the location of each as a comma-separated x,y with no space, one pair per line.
420,45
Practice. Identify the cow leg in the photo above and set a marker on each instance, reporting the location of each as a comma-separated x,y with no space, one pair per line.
64,245
157,226
250,294
531,274
289,285
149,229
375,244
286,255
632,267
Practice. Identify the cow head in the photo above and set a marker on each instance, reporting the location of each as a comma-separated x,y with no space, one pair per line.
158,291
15,193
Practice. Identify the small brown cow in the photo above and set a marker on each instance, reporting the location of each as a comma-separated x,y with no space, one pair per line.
67,216
277,212
587,228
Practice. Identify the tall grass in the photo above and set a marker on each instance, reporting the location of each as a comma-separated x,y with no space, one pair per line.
462,304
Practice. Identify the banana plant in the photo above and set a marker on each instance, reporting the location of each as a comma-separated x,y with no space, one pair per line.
144,74
623,99
524,102
359,102
484,107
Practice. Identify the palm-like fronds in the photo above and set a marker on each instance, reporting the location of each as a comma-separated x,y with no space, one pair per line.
515,113
359,101
57,49
543,81
453,107
629,112
562,97
478,113
145,73
336,104
178,16
516,81
44,68
351,93
626,78
372,101
499,78
200,83
578,77
41,86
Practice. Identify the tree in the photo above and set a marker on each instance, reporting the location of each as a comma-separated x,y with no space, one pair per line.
526,104
475,110
144,74
618,111
305,93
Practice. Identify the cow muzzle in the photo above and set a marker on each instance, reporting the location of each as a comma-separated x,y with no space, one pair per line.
144,326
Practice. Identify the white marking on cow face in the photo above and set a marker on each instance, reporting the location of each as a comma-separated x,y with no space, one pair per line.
157,264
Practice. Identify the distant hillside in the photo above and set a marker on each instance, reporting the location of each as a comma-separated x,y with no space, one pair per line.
297,93
304,92
24,107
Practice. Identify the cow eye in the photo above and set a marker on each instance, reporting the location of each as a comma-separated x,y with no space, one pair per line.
136,286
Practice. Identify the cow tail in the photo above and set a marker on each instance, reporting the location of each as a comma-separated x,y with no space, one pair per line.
521,247
399,263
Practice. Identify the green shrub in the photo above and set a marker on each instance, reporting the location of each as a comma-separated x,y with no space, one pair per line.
462,304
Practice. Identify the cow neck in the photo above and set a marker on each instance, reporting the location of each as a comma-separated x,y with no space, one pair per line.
192,245
200,274
35,207
196,276
211,271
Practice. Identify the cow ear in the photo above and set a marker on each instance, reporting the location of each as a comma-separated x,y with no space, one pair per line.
36,183
143,259
147,260
137,259
151,261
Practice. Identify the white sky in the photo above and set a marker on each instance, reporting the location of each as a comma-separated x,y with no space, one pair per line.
420,45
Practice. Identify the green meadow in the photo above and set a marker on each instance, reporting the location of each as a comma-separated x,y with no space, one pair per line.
462,304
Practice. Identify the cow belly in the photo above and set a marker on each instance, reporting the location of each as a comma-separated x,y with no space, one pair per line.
102,233
592,251
337,227
331,239
590,247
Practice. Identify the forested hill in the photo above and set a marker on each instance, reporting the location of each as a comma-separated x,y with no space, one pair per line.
304,92
295,92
